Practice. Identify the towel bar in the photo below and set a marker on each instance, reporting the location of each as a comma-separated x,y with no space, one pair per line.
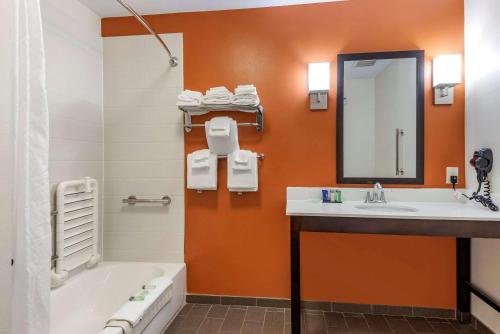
259,156
203,109
132,200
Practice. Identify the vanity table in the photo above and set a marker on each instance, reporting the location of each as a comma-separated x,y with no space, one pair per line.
460,220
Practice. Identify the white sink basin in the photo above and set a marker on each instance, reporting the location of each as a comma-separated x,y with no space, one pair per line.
386,207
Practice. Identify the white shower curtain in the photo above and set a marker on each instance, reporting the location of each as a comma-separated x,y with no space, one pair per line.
32,238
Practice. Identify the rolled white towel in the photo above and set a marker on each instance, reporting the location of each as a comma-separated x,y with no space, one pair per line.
134,311
117,327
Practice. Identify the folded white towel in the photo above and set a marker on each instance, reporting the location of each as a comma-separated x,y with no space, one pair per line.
219,127
189,98
245,89
202,171
217,96
242,176
218,143
134,312
241,160
201,159
246,100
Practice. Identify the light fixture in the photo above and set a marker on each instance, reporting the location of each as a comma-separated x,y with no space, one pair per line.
319,85
447,73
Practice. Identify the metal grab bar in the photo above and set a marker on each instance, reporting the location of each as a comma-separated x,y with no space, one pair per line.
399,134
173,60
132,200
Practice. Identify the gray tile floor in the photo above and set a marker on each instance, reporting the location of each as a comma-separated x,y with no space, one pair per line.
214,319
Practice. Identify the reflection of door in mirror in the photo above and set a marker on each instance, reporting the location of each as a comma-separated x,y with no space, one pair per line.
380,113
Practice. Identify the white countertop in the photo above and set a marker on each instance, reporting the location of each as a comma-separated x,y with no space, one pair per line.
441,205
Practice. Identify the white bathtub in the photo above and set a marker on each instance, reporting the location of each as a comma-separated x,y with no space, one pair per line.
86,301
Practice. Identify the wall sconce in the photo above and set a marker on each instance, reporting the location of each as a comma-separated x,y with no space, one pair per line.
319,85
447,73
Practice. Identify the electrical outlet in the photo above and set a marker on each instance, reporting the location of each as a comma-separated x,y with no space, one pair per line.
451,171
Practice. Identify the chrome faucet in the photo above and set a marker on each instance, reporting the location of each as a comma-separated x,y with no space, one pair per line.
377,195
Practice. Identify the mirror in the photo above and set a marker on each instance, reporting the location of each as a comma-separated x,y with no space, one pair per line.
380,118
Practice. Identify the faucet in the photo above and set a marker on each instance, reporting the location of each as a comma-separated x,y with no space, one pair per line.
377,195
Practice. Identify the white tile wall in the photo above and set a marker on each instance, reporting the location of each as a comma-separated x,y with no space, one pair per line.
73,47
143,150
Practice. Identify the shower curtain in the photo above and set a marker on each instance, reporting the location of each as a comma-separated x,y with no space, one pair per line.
32,236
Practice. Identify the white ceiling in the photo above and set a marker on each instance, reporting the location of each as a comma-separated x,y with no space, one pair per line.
110,8
353,72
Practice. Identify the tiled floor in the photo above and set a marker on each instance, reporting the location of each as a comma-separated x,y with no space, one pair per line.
213,319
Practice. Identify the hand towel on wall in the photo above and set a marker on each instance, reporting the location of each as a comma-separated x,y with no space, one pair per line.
245,95
222,135
189,98
202,170
217,96
242,171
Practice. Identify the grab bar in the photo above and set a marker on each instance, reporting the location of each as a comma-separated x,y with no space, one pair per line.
132,200
399,134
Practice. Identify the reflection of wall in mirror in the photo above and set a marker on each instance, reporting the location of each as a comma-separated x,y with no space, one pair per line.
395,105
374,107
359,129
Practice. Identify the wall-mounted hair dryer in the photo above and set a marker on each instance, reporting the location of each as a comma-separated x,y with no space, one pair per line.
482,161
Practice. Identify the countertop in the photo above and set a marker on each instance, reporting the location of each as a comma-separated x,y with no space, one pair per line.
431,204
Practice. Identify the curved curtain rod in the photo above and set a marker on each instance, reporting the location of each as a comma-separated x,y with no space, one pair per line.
173,60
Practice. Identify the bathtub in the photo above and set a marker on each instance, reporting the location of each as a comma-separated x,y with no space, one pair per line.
86,301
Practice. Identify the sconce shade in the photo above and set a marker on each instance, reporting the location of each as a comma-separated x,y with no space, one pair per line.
319,77
447,70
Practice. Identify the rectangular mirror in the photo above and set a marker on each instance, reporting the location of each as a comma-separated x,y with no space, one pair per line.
380,118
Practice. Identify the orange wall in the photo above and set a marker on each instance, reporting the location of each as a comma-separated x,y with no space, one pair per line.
239,245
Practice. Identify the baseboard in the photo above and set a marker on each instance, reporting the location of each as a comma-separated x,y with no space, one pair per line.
308,305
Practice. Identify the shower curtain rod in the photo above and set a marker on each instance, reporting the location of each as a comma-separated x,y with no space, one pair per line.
173,60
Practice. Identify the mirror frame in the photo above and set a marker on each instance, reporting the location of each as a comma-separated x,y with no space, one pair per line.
341,59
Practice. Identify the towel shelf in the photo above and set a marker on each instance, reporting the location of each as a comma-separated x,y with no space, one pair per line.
203,109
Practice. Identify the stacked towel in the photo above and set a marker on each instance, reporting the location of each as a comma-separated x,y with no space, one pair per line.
202,170
242,171
245,95
222,135
139,312
217,96
189,98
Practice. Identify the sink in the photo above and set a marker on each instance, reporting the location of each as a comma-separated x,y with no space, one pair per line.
386,208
